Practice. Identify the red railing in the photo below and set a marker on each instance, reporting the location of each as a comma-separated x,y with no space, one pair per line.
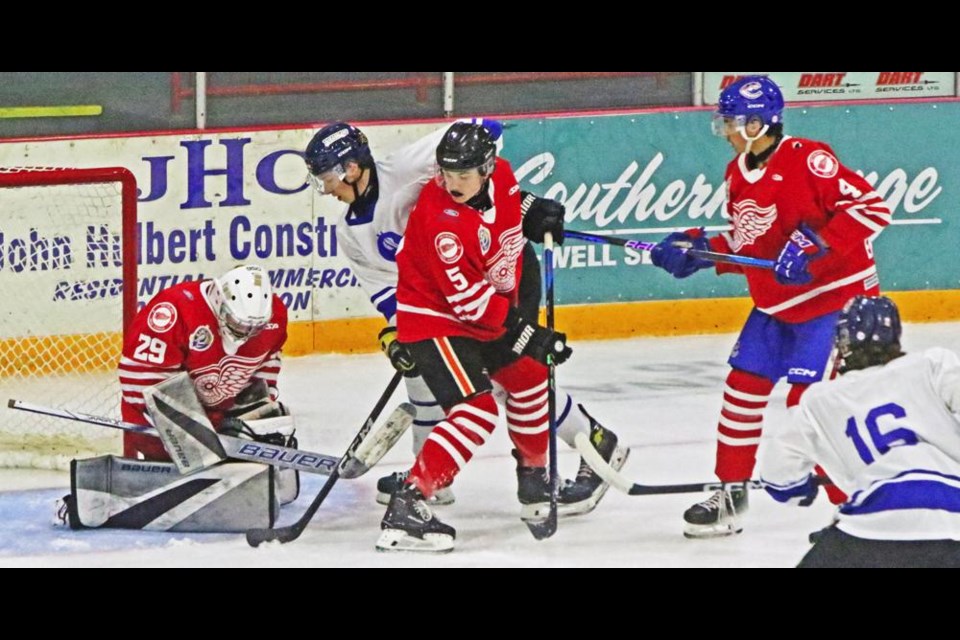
420,83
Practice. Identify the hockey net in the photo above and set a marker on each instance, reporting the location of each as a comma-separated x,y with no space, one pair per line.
68,280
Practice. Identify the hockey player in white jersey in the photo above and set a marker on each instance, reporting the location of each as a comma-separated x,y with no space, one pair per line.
886,433
379,195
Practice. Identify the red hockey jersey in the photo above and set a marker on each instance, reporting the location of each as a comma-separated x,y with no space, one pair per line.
803,183
178,331
459,269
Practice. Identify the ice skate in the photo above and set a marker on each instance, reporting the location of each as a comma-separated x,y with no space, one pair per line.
409,525
718,515
583,494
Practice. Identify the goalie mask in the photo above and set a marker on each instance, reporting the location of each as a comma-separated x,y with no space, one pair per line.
242,300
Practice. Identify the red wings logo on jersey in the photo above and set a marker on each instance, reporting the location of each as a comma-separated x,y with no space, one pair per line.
502,267
162,317
750,221
449,247
225,379
822,164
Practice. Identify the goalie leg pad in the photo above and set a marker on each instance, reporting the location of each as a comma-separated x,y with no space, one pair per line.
123,493
288,485
376,443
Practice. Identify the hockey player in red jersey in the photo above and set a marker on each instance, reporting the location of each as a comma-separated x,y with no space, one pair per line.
379,194
789,200
215,345
226,333
460,264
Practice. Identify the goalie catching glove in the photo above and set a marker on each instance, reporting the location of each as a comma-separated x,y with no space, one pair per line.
540,343
255,415
399,356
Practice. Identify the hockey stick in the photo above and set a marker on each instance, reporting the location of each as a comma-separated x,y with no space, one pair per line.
612,476
237,448
548,526
713,256
291,532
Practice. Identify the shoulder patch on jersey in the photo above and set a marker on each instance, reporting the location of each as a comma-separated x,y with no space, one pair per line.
513,189
201,339
387,243
822,164
162,317
483,234
449,247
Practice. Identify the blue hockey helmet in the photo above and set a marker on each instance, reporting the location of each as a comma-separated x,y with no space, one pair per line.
868,332
330,150
746,99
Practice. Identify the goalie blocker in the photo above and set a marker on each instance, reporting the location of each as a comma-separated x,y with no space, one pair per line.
124,493
189,437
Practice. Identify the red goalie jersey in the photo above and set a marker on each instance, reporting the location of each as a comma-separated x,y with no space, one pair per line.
179,331
459,268
803,183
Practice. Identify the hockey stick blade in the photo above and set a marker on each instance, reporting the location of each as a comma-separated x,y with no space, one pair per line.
615,479
542,529
289,533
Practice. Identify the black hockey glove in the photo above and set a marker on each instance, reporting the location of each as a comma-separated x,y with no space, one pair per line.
400,358
541,215
540,343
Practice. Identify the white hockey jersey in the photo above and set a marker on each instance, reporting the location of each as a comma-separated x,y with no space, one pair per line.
888,437
370,238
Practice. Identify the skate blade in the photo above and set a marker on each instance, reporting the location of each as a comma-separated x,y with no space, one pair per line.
703,531
399,540
441,498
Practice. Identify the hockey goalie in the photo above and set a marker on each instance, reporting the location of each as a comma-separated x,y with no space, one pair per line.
201,358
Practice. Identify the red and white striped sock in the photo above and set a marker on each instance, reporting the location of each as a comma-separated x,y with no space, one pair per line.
453,442
741,423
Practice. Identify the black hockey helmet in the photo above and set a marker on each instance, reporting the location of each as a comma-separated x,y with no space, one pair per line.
868,332
467,146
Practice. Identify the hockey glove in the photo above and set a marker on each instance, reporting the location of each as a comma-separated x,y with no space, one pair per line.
671,255
399,356
256,403
541,215
803,246
540,343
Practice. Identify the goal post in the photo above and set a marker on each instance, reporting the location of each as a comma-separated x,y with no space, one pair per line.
68,288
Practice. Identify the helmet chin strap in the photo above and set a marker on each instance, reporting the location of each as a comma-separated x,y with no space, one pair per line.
743,132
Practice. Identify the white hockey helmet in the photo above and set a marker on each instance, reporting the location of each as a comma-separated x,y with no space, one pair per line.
242,299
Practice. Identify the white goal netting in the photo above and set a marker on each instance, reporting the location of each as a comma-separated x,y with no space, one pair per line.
65,238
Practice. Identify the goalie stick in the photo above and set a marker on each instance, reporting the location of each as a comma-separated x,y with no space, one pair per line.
713,256
615,479
289,533
237,448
